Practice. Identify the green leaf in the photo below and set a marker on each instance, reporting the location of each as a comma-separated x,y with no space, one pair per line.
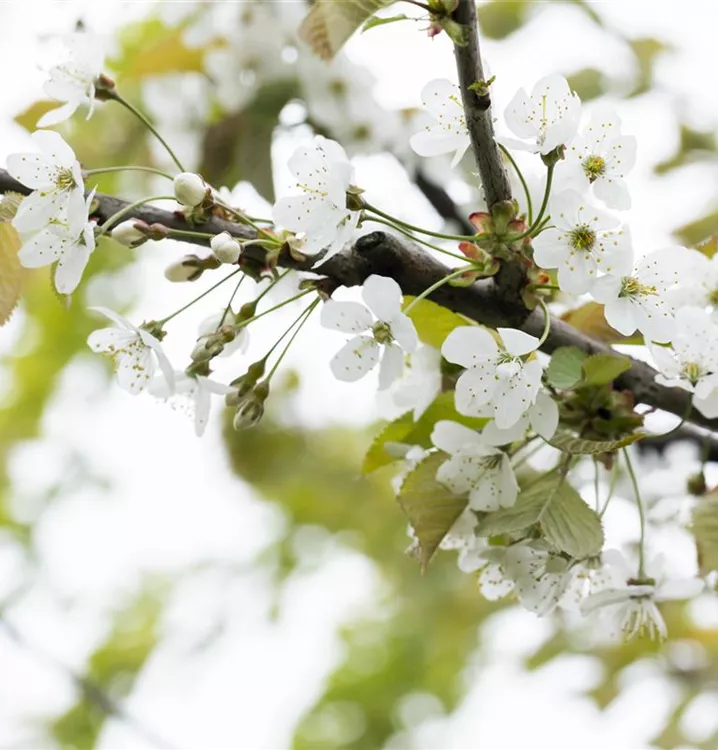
564,518
708,247
576,446
429,506
565,368
330,23
646,52
500,18
588,83
405,430
28,117
698,230
11,272
694,146
382,20
590,320
601,369
705,530
433,322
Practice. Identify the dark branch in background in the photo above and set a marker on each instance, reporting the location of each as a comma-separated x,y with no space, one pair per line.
415,270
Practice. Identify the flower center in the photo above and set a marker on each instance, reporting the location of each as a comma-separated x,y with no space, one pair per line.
594,166
692,372
382,332
632,287
713,297
582,237
64,179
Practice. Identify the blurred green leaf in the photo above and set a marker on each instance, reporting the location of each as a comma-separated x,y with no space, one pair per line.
602,369
382,20
28,117
694,146
588,83
710,247
705,530
330,23
697,231
646,51
11,272
500,18
564,369
431,508
433,322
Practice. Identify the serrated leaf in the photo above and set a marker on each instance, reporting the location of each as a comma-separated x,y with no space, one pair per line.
433,322
431,509
705,530
330,23
11,272
382,20
601,369
564,369
590,320
576,446
563,517
405,430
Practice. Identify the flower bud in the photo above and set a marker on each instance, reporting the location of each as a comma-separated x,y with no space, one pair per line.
225,248
128,234
249,411
190,189
184,270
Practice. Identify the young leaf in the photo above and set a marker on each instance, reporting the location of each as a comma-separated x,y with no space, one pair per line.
394,432
330,23
576,446
11,272
564,369
430,507
381,20
601,369
433,322
705,531
564,518
589,318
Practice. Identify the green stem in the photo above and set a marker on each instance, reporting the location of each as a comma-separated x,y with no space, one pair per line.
433,288
162,322
244,219
231,299
107,170
188,233
413,237
414,228
273,309
525,186
299,323
596,484
128,210
546,323
544,205
552,287
145,121
611,488
641,515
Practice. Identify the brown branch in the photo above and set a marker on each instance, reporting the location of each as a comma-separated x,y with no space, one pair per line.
415,270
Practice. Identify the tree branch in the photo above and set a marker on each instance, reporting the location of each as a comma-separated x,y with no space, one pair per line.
415,270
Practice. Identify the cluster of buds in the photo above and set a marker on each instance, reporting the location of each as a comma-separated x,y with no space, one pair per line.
440,18
249,397
212,344
498,232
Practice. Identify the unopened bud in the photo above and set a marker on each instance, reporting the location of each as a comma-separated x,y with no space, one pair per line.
190,268
250,409
207,348
226,248
128,234
245,383
190,189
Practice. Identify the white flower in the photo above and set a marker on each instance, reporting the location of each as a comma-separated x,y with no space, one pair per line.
324,175
193,392
73,81
542,417
474,468
639,300
56,180
583,241
692,364
548,118
448,133
68,245
211,324
392,330
699,283
421,382
136,352
225,247
127,234
190,189
541,576
628,605
461,535
601,157
502,378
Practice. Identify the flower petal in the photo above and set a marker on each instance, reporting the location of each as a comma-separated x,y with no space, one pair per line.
451,437
382,296
517,342
355,359
347,317
392,365
469,345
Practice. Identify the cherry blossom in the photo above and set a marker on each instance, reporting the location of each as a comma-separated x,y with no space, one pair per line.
502,378
421,382
547,119
55,177
698,285
542,416
600,158
135,351
692,363
190,189
639,299
385,326
448,132
474,468
583,241
324,175
70,246
73,80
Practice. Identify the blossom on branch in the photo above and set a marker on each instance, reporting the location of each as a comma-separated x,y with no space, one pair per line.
385,326
448,132
582,241
324,175
55,177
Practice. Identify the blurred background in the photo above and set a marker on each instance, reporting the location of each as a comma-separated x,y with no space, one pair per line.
250,590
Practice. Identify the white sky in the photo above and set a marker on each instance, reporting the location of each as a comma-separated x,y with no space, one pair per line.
250,689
